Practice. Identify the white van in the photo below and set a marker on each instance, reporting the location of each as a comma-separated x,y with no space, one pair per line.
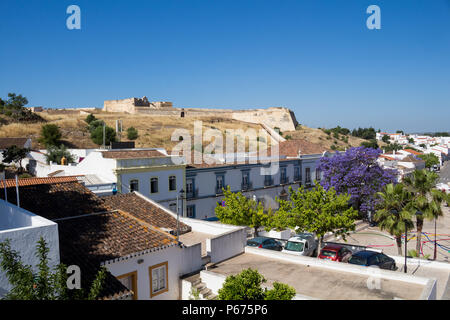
303,244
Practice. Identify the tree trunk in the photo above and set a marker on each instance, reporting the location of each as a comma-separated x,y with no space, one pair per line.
419,223
256,231
319,246
399,245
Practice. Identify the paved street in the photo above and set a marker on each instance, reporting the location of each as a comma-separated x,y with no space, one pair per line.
445,173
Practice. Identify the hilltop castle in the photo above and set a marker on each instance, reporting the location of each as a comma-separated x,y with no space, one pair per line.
273,117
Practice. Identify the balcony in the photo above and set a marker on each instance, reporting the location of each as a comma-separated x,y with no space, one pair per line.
192,194
297,178
219,189
284,180
268,182
246,186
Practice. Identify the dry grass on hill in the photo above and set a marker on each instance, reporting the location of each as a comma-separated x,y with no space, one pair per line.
318,136
156,131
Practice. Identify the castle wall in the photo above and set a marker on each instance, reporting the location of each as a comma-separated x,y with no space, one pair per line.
124,105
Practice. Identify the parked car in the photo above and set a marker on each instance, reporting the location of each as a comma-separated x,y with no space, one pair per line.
373,259
303,244
335,252
265,243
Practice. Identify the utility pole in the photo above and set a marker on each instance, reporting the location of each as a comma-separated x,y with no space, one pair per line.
104,147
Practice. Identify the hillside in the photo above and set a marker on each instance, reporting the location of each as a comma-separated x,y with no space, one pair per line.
154,131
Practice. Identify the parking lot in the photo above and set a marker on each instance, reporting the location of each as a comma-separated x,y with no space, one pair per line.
319,283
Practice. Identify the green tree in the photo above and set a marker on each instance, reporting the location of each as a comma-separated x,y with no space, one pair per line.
410,140
15,154
395,211
43,284
372,143
317,210
94,124
420,183
385,138
50,135
430,159
247,285
90,118
97,135
132,133
55,154
241,211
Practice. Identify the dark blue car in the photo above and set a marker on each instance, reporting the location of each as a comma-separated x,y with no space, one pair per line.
265,243
371,258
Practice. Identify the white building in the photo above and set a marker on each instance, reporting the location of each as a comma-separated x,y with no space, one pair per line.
295,166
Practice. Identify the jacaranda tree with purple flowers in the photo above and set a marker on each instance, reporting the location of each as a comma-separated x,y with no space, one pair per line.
357,173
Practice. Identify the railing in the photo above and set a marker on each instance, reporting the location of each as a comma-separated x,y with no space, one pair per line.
246,186
284,180
297,178
192,194
268,182
219,190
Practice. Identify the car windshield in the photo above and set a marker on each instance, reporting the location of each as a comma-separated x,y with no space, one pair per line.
358,260
328,253
253,243
294,246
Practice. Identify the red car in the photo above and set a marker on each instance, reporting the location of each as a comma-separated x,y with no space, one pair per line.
335,252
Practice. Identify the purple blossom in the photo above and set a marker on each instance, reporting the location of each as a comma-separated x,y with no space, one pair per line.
357,173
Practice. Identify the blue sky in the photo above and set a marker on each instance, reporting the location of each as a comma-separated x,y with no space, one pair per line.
316,57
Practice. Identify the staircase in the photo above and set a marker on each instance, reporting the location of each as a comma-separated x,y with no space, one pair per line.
200,287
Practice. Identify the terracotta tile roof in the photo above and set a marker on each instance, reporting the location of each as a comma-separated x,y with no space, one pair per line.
132,154
92,230
7,142
290,148
413,152
37,181
91,240
411,159
56,200
386,157
145,211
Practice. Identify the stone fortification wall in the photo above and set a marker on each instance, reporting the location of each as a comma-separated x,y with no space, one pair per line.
275,117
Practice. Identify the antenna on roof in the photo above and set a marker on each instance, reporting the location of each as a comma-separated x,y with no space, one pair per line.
17,191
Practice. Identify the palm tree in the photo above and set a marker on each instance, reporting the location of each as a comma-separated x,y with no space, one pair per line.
435,211
421,182
395,212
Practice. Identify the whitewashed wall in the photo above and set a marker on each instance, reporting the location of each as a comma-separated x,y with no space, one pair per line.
24,229
180,262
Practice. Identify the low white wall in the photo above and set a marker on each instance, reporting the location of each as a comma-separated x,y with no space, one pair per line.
191,259
429,284
227,245
23,239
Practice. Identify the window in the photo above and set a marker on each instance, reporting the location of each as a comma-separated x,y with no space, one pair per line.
134,185
297,174
220,183
158,279
189,185
317,174
268,180
245,180
308,174
283,176
129,280
172,183
153,185
190,211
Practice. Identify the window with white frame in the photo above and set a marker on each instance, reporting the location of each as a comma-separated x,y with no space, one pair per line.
308,174
158,279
